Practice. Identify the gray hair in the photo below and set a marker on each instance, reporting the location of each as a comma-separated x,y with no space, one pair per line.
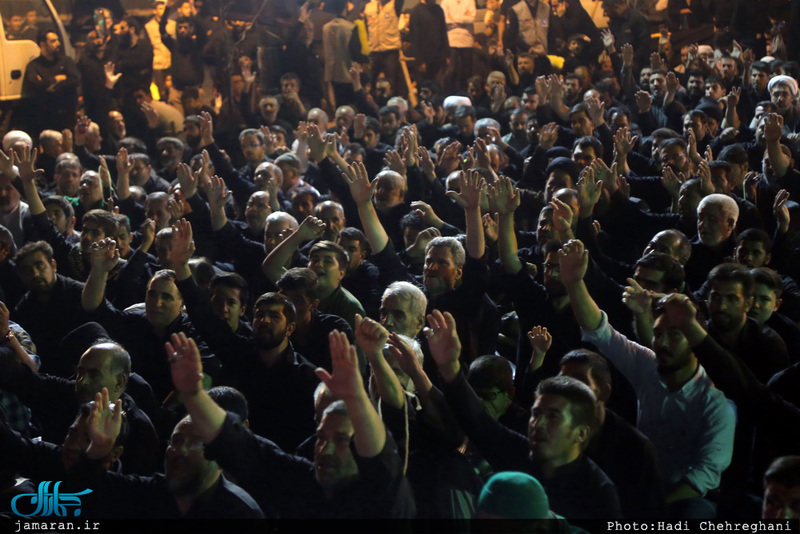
456,249
724,203
408,294
485,122
282,216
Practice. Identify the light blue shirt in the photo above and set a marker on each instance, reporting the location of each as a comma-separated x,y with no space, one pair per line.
691,428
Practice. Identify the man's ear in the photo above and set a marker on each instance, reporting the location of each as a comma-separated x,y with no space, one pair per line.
54,265
583,433
748,303
290,328
767,258
314,305
121,382
71,224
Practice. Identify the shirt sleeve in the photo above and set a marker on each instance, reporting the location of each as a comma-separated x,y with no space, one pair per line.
715,446
636,362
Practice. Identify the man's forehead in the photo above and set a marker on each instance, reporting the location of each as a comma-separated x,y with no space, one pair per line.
334,423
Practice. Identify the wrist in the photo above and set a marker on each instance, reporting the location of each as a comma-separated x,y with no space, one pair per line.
449,370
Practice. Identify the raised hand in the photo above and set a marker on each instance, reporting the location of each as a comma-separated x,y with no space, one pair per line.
490,226
773,127
704,173
443,340
425,211
148,231
608,38
627,56
636,298
185,364
311,228
589,191
218,194
541,340
678,310
781,211
359,125
182,243
548,135
733,97
643,101
417,248
504,198
472,183
562,216
82,129
316,144
394,162
574,261
624,142
426,163
206,128
104,425
345,383
405,355
481,152
187,180
25,163
111,78
672,182
656,61
361,189
371,336
150,114
103,255
596,111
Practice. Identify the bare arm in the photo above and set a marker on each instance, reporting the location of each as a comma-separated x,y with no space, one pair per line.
273,265
371,338
574,261
103,257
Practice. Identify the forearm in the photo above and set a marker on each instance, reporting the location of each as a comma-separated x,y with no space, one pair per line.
780,163
643,325
206,415
369,432
507,244
94,290
32,198
389,388
585,309
280,256
476,242
373,229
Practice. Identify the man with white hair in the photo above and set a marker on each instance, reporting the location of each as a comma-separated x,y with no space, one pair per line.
783,91
716,220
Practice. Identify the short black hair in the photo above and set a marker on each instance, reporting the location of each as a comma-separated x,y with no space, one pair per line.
581,399
758,235
784,470
231,281
735,273
231,400
768,277
271,299
596,363
674,274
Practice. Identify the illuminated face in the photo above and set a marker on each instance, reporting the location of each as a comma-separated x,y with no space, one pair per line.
396,316
525,65
581,124
257,210
37,272
226,303
95,372
334,221
781,502
658,85
269,109
67,181
571,88
765,303
273,231
389,124
675,156
729,69
388,193
728,305
714,226
751,254
326,266
163,302
665,243
672,349
186,467
714,90
123,239
440,272
91,233
583,156
759,79
650,279
59,218
270,327
253,149
781,97
696,85
334,464
552,435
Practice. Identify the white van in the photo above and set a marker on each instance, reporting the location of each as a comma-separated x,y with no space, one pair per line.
20,21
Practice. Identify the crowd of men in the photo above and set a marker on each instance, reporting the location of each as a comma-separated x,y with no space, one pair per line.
351,261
